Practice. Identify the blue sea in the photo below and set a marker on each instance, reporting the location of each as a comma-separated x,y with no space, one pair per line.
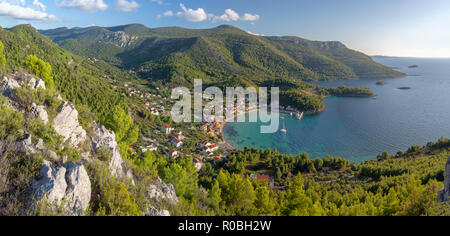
361,128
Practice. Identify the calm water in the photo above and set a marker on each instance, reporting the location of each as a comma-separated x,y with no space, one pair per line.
361,128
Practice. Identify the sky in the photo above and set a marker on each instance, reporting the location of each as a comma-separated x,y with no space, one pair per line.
408,28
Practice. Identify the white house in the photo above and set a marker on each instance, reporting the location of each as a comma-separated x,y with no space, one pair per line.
209,149
154,111
198,164
166,129
177,143
173,153
151,147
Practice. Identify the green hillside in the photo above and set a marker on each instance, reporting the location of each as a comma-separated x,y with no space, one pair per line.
82,81
224,51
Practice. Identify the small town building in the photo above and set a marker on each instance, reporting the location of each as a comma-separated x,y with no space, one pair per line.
166,129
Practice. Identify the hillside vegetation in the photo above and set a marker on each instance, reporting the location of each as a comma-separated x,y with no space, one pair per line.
173,52
405,183
226,56
82,81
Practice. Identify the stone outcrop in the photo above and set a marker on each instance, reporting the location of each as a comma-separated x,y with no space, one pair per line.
66,124
106,139
67,186
36,83
39,112
7,85
120,39
162,192
78,188
155,212
444,193
52,184
25,146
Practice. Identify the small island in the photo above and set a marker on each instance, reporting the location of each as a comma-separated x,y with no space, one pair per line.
381,83
344,91
310,101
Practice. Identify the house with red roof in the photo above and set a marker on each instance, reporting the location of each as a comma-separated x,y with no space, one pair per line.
173,153
177,143
263,177
167,129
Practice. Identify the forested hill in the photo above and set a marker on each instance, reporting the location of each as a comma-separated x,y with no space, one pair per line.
78,79
221,52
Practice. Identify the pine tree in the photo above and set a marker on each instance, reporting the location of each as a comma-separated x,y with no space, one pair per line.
2,58
215,194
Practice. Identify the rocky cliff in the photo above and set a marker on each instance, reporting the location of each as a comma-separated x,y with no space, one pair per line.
444,193
64,185
67,125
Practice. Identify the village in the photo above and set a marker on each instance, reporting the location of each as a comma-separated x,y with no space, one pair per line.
202,141
178,140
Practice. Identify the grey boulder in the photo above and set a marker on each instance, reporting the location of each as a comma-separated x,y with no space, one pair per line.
444,193
66,124
67,187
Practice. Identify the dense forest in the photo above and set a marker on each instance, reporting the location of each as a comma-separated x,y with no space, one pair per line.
175,53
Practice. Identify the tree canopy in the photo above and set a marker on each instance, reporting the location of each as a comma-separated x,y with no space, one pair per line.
2,58
41,69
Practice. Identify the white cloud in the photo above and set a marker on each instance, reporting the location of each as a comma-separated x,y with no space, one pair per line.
21,12
250,17
168,13
200,15
38,4
22,2
255,34
83,5
126,6
159,2
232,15
192,15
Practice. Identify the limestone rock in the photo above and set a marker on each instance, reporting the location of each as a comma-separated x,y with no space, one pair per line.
52,185
120,39
159,192
40,144
106,139
36,83
78,189
155,212
66,124
25,146
40,112
51,154
444,193
58,96
7,85
67,186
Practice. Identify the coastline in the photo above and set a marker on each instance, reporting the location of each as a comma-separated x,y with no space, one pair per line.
226,145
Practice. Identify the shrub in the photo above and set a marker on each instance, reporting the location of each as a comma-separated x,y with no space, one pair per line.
41,69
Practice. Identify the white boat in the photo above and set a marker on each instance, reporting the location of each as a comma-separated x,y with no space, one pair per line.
300,115
283,130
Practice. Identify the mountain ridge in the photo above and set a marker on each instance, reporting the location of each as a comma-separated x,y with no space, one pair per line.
250,56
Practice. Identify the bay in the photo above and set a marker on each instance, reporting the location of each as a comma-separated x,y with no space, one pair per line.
361,128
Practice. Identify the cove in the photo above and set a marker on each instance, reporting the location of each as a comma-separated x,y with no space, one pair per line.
361,128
